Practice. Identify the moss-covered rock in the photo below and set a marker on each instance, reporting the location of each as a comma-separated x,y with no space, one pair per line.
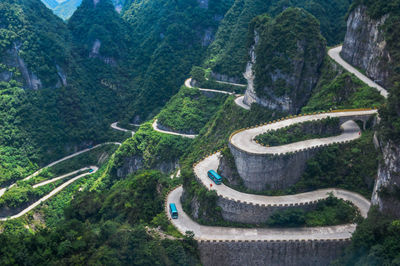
286,56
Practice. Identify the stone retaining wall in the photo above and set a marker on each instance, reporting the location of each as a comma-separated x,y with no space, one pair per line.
249,213
277,171
262,172
287,253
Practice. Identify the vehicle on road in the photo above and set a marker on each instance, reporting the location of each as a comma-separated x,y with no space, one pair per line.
214,176
173,211
91,171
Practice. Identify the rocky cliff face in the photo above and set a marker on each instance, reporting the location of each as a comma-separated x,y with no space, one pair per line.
15,67
369,45
387,187
136,162
285,60
227,169
365,45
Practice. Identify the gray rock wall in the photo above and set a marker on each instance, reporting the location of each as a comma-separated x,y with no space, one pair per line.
222,77
13,63
136,162
249,213
262,172
282,253
387,185
365,46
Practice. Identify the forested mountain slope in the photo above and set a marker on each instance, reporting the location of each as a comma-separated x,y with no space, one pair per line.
170,37
227,55
80,77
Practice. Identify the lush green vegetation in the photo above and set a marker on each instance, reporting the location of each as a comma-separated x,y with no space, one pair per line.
23,194
189,110
57,119
228,54
375,242
45,124
350,166
40,37
332,211
15,145
299,132
105,227
339,89
143,59
170,37
149,149
291,37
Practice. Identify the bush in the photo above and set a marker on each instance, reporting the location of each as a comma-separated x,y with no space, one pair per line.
299,132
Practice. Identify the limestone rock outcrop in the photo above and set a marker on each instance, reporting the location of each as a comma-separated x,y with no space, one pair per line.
285,59
15,67
365,45
136,162
387,187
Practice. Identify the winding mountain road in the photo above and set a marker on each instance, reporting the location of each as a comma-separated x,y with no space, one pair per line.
244,140
59,188
60,177
51,194
334,53
157,128
116,127
201,232
68,157
188,83
212,162
239,102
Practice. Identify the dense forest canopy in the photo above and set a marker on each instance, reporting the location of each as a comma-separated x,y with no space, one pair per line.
228,53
